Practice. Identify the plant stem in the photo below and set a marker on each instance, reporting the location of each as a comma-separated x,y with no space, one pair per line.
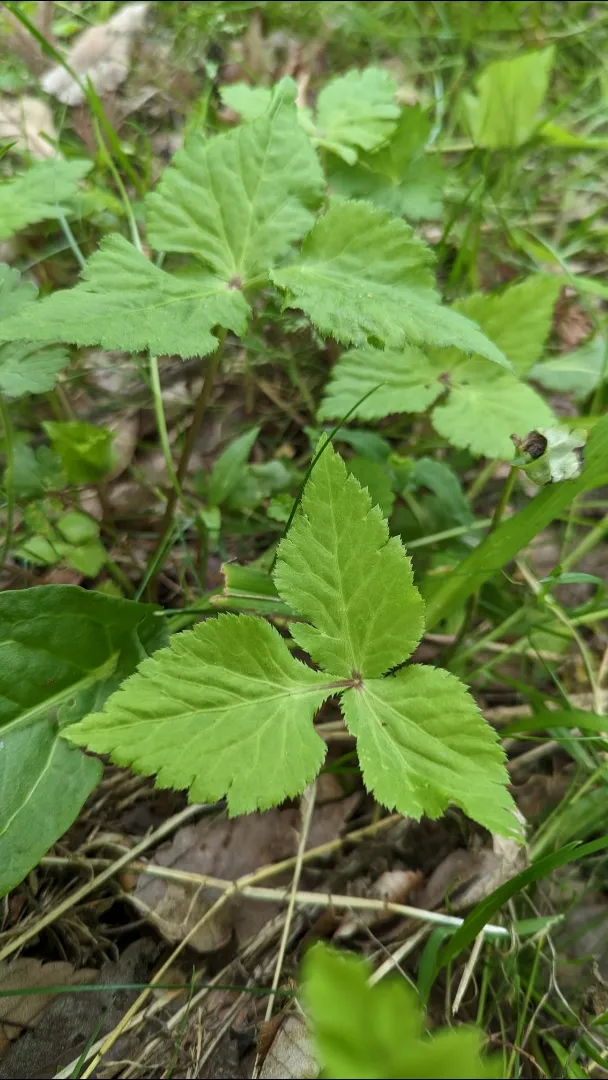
198,416
504,498
9,457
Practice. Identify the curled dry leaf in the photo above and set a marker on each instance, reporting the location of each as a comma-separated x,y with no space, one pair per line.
393,887
101,54
228,848
468,877
291,1052
20,1013
28,123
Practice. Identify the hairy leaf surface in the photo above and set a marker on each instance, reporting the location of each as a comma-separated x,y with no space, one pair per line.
363,276
126,302
240,200
356,111
42,192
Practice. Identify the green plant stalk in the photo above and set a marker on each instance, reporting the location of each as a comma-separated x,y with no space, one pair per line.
593,537
504,498
9,457
161,425
198,416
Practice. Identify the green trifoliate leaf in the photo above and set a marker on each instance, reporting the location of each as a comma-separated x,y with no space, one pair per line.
481,413
339,569
481,406
126,302
363,1031
356,111
400,177
42,192
510,93
363,276
250,101
28,369
423,744
549,455
59,644
580,371
225,710
239,201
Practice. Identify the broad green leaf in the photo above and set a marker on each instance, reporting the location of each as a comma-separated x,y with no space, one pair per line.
400,177
363,1031
356,111
126,302
14,293
580,371
240,200
517,319
409,381
423,744
87,558
229,466
484,405
510,93
376,478
339,569
78,528
35,471
362,276
445,596
481,413
448,499
57,642
250,101
86,452
226,710
28,369
42,192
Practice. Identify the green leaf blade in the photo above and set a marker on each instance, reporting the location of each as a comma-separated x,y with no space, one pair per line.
510,94
423,744
364,278
126,302
41,193
356,111
60,645
226,710
28,369
334,567
240,200
406,381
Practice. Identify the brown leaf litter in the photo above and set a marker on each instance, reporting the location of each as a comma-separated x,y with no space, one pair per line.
28,124
228,849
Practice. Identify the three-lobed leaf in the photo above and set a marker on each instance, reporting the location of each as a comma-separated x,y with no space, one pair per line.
363,277
240,201
126,302
41,193
400,177
356,111
227,709
481,406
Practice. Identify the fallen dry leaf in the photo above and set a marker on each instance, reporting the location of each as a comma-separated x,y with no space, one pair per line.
28,123
291,1054
469,876
228,848
18,1014
101,54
